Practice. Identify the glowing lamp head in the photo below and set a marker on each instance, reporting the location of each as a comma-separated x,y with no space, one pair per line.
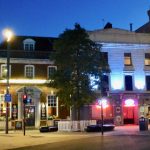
8,34
129,103
103,102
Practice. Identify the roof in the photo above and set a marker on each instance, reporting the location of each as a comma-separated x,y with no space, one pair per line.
144,29
42,43
43,47
115,35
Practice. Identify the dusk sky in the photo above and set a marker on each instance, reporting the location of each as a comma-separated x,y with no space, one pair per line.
52,17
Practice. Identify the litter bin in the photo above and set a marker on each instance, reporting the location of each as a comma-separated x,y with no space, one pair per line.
143,124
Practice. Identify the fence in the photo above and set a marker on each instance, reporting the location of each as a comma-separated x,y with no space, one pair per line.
3,125
75,125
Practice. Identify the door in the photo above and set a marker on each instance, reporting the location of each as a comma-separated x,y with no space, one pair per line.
128,113
30,115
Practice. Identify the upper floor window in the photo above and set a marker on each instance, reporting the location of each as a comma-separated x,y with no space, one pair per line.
29,71
148,83
29,44
105,85
127,59
51,101
51,70
128,83
4,71
147,59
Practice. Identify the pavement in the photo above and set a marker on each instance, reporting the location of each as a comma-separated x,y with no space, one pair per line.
16,139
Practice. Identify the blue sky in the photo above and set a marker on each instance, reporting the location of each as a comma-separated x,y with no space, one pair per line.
52,17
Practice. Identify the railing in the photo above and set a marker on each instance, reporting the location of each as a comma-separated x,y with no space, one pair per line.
75,125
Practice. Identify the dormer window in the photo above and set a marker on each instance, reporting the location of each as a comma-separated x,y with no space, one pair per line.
29,45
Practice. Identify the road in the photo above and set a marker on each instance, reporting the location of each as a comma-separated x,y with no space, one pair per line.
116,142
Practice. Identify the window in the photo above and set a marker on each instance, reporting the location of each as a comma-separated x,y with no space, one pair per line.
148,83
105,85
29,44
127,59
128,83
4,71
51,101
51,70
147,59
3,107
29,71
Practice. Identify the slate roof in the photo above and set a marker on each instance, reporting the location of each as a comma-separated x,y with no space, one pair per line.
43,47
144,29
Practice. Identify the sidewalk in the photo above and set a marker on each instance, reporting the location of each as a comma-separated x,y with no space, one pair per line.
16,139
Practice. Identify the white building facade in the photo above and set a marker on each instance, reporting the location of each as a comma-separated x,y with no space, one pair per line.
129,79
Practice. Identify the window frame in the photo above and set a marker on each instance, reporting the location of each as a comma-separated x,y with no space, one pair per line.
48,72
25,71
2,65
125,83
147,59
128,57
50,102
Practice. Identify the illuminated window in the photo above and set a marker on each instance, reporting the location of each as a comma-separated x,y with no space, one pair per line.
29,44
52,103
147,59
127,59
51,70
128,83
148,83
52,100
3,107
29,71
4,71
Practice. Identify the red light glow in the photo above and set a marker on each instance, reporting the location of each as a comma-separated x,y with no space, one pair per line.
129,103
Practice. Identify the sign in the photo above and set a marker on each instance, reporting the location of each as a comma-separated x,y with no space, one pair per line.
7,97
18,125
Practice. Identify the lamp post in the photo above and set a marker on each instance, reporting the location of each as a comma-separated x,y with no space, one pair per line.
7,35
103,104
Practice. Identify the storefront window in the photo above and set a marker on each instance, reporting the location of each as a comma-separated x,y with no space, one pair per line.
51,106
3,108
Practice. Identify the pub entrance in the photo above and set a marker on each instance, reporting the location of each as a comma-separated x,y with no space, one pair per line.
30,115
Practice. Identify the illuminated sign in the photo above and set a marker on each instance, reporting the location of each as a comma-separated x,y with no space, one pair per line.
129,103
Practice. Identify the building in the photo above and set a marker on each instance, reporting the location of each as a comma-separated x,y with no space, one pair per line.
129,79
30,68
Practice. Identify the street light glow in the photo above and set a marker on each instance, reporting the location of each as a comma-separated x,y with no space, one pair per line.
8,34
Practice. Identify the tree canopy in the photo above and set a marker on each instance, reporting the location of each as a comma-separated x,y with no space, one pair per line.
77,59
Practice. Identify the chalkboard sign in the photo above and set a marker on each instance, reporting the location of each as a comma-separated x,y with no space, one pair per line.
18,125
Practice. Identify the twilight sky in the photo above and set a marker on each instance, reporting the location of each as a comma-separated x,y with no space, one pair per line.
52,17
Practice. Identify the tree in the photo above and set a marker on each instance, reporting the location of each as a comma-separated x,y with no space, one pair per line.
77,59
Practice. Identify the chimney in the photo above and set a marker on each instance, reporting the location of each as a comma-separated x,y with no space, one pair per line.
131,27
148,12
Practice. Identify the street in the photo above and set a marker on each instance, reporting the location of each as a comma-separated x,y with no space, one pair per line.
122,138
98,143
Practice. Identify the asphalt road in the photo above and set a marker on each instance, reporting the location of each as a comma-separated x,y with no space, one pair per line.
117,142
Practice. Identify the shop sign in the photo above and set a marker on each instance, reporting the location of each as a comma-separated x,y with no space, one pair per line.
7,97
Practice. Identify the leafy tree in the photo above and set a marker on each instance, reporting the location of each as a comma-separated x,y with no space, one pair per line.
77,59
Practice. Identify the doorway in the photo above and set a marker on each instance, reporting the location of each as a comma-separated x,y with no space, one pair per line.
128,115
30,115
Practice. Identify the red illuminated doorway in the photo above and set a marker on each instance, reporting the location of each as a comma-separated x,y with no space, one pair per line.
128,115
129,111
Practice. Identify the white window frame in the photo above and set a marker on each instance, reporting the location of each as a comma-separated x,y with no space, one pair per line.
48,74
28,43
25,71
52,102
6,70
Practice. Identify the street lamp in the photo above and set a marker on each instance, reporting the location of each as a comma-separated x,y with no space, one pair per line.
103,104
8,34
